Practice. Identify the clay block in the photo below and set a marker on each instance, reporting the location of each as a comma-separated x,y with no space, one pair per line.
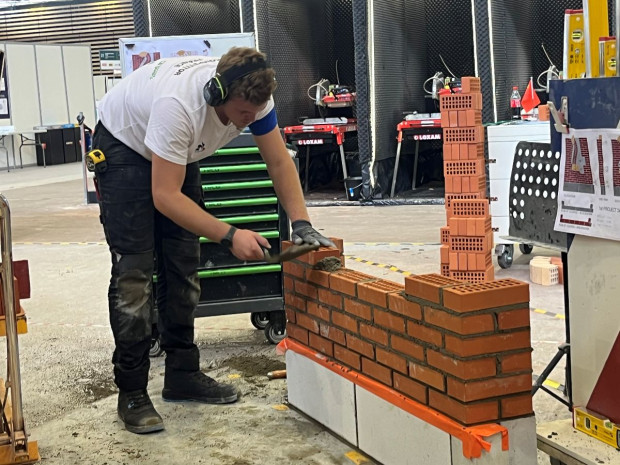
486,295
428,286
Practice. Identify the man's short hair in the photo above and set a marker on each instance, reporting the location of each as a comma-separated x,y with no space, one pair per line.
256,87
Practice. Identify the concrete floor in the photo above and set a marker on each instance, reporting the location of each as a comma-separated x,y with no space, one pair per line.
68,393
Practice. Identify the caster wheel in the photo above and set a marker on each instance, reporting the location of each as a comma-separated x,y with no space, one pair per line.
259,319
155,350
275,332
505,259
526,249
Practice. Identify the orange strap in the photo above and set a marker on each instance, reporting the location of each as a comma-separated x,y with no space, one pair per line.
470,436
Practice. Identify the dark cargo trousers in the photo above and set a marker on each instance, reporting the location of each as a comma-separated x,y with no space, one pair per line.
137,234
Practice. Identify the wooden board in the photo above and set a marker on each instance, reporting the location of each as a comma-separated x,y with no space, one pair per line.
560,440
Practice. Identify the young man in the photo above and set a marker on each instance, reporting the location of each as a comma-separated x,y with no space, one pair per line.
154,127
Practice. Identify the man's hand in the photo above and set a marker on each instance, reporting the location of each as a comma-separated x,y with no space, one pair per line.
248,245
304,233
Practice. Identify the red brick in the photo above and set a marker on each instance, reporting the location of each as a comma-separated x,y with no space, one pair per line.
331,333
488,344
295,332
376,371
330,298
308,290
514,319
389,320
319,311
348,357
424,333
345,281
427,376
411,388
288,284
454,261
463,369
361,347
295,301
516,406
469,85
374,334
290,314
321,344
357,308
444,254
470,414
391,360
339,243
460,324
407,347
344,321
307,322
516,362
294,269
428,286
376,292
318,277
469,391
312,258
462,261
480,296
397,303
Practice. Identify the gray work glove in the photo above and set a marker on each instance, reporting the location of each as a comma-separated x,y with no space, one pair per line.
304,233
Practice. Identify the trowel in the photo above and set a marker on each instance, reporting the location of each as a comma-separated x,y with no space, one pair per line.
291,253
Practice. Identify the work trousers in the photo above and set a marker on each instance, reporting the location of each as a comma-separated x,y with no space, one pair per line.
140,237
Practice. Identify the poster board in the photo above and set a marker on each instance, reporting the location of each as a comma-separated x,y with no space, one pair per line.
138,51
589,194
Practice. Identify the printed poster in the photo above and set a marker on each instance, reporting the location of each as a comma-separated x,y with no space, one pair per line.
589,194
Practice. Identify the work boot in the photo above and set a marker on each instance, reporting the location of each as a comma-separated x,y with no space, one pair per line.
137,412
197,387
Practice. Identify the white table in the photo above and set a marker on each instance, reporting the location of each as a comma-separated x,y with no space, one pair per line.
7,131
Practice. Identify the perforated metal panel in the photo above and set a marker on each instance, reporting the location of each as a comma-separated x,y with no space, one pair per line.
483,54
303,40
534,185
188,17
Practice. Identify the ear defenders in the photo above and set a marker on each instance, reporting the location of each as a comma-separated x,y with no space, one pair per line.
215,90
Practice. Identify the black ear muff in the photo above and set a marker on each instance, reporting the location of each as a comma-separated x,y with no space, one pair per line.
215,90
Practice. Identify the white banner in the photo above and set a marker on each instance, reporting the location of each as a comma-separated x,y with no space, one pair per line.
589,191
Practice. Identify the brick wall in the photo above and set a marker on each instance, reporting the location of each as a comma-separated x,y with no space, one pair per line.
462,349
615,147
576,176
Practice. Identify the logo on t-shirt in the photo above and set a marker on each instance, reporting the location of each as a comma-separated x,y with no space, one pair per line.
201,147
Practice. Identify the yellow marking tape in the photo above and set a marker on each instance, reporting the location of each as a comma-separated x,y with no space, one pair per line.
356,457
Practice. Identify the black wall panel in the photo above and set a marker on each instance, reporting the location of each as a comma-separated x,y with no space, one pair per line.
303,40
189,17
400,68
512,49
449,33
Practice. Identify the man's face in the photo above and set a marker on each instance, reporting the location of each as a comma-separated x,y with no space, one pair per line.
241,112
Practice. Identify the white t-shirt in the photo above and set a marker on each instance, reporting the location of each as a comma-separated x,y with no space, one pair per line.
160,107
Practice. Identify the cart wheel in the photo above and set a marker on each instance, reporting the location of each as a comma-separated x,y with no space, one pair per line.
526,249
275,332
155,350
259,319
505,259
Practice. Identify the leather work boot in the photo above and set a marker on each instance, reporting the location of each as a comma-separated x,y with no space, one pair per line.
195,386
137,412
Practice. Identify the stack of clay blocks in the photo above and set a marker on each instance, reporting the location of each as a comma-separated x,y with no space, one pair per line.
469,241
466,245
546,271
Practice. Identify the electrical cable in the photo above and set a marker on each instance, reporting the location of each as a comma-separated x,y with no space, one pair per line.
448,69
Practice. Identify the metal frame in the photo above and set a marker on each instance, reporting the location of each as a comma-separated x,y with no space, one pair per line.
14,445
